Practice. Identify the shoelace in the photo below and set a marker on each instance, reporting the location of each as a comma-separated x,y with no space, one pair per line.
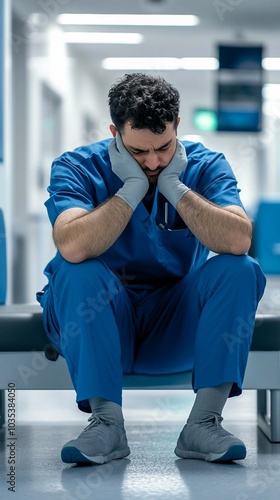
96,420
217,421
210,420
214,424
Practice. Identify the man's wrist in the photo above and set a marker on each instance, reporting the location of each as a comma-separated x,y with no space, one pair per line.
119,194
175,194
133,192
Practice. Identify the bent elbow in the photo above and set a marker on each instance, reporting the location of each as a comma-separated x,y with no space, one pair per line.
241,247
72,255
243,241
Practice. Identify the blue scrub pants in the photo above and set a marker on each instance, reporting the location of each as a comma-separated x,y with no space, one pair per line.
203,323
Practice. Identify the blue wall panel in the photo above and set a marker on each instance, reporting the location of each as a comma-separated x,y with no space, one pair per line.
267,236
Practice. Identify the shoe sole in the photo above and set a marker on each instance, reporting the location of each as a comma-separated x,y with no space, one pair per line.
236,452
71,455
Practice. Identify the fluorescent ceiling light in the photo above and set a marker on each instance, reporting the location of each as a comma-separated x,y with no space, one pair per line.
82,37
271,63
204,63
128,19
160,63
271,91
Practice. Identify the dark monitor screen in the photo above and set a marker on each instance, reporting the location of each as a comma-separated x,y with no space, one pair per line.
235,120
239,107
240,57
239,88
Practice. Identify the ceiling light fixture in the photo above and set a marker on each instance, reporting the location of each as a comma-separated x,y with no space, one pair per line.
199,63
271,91
271,63
114,38
160,63
128,19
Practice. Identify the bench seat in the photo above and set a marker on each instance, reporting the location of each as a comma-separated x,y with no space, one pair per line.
30,362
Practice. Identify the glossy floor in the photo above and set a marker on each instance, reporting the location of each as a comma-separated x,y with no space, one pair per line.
152,471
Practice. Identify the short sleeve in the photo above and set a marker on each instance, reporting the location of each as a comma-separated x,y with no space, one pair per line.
70,185
210,175
221,187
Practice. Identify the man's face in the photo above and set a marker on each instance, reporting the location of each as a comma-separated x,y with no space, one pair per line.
152,151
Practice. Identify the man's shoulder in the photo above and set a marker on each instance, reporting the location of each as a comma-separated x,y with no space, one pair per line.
197,151
202,159
88,151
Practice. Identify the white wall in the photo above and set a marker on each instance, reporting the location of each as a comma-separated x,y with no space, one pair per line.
48,62
5,167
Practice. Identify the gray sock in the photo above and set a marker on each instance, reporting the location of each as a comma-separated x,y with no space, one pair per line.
209,402
107,409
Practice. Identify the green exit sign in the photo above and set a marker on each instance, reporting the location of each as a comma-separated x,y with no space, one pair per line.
205,120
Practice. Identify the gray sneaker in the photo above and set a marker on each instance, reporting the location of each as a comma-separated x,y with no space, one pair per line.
207,440
101,441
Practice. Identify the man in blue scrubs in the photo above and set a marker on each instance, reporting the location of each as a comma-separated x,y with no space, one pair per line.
131,289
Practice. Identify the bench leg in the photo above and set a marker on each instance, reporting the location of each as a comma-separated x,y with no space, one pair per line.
270,427
2,407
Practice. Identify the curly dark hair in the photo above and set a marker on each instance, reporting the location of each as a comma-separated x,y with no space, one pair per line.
146,102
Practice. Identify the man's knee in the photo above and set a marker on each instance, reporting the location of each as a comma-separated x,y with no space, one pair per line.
238,269
236,264
92,270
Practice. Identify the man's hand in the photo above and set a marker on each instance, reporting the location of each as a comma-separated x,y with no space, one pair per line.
168,181
136,183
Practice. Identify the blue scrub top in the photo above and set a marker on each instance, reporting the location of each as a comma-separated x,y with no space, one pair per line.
156,246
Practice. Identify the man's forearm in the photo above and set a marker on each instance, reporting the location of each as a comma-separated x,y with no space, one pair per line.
90,234
219,229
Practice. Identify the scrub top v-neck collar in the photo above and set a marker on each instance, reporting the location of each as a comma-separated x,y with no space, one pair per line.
143,212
